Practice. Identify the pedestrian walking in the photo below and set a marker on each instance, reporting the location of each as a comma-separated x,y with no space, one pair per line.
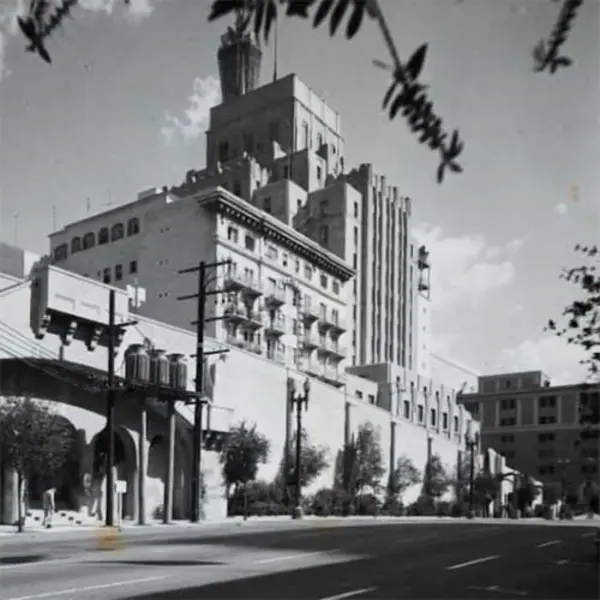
48,499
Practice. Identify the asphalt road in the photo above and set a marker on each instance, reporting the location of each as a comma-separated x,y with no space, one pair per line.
311,561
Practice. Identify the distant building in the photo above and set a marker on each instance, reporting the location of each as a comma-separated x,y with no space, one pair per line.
536,426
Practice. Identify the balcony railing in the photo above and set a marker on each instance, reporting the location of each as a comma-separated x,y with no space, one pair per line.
249,284
274,298
275,326
243,344
338,324
276,355
309,313
309,340
332,349
235,313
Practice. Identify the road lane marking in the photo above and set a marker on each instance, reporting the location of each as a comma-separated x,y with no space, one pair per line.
265,561
38,563
89,588
588,534
350,594
550,543
497,589
469,563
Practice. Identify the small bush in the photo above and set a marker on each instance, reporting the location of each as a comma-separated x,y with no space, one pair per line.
443,509
331,502
393,508
367,505
424,506
458,510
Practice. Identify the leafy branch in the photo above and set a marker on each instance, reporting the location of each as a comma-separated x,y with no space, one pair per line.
582,317
547,54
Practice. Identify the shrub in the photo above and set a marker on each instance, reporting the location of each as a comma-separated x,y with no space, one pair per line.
458,509
331,502
393,508
443,509
424,506
367,505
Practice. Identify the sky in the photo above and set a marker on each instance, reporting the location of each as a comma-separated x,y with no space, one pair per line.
124,107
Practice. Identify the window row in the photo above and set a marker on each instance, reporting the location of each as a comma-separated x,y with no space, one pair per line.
107,273
90,240
273,253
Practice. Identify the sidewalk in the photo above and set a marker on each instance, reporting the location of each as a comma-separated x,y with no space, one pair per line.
35,531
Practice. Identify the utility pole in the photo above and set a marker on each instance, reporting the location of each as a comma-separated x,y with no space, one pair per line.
199,401
113,330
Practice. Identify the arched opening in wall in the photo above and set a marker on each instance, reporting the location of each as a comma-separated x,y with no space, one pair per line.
66,478
124,463
181,491
157,457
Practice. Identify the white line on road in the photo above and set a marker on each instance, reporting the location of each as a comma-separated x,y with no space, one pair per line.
588,534
89,588
265,561
550,543
350,594
38,563
472,562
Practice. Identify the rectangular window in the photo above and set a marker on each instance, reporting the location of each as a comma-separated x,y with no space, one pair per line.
323,281
371,398
336,287
356,236
237,188
324,235
232,234
133,267
445,421
359,394
406,409
118,272
250,243
106,276
271,253
224,151
420,413
308,272
267,204
356,210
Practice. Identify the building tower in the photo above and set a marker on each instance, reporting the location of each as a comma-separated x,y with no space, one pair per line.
239,59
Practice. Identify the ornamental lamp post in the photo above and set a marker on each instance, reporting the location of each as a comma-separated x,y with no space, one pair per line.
471,442
297,401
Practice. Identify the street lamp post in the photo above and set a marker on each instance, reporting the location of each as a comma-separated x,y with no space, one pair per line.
471,442
297,401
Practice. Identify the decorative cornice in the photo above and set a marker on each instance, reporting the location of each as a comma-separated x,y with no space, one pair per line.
270,227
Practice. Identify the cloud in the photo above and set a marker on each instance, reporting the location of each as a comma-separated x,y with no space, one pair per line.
552,355
195,119
10,9
136,8
465,268
561,209
8,28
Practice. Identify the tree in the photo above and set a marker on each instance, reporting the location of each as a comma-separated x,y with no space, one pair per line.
436,479
403,476
406,95
527,492
313,460
582,316
245,450
34,439
362,462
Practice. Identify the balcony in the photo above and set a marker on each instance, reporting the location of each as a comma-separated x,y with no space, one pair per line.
325,373
276,355
275,327
239,315
332,349
324,323
309,314
236,282
309,341
242,344
338,325
334,377
275,298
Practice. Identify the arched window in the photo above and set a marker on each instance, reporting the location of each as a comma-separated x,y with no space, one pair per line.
103,236
89,240
61,252
133,226
75,244
117,232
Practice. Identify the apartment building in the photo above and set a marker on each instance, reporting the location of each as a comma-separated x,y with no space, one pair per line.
536,426
283,296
